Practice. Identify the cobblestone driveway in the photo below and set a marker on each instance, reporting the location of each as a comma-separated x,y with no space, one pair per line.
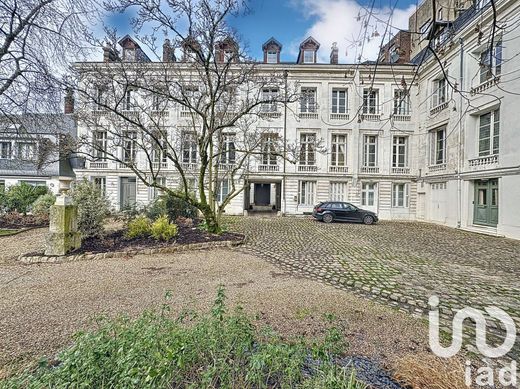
399,263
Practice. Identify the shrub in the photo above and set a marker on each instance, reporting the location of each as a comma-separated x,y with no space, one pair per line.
139,227
162,229
216,350
173,207
19,197
42,206
93,208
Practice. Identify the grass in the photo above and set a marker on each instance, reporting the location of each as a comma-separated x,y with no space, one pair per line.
218,350
8,232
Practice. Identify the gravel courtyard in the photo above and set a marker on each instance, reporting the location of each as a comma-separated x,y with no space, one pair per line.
397,263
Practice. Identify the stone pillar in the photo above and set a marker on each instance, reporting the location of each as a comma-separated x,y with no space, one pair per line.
63,234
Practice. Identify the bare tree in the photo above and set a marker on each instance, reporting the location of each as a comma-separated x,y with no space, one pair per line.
125,105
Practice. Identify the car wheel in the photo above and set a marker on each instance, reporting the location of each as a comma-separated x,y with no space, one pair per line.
368,220
328,218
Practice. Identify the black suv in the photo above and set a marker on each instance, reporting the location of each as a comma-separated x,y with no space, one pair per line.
337,210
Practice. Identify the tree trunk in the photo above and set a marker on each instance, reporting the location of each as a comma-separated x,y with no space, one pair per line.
212,223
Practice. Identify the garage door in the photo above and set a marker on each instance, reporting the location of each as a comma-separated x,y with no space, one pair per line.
438,202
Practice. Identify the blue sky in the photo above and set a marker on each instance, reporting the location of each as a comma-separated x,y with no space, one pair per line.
328,21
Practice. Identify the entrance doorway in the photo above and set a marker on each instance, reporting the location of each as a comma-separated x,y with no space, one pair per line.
486,202
262,194
128,192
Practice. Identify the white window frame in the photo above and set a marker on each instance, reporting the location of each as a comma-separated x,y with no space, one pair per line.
9,150
440,91
268,145
400,195
435,150
491,62
307,149
367,146
228,150
308,100
493,140
337,190
371,101
306,192
272,56
223,190
129,140
270,97
100,182
367,189
26,151
338,149
400,151
189,149
312,54
401,102
100,144
336,106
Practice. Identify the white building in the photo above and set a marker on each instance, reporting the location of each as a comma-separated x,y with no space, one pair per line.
431,154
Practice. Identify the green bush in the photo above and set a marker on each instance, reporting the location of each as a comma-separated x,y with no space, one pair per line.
173,207
93,208
217,350
42,206
139,227
163,229
20,197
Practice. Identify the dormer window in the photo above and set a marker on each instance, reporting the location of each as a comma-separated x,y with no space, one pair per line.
272,57
228,55
129,55
308,56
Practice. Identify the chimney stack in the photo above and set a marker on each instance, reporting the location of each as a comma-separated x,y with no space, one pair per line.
334,54
69,101
168,52
109,54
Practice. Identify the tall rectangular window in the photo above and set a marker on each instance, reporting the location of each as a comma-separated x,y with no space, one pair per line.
308,56
339,101
308,100
370,150
5,150
401,102
270,97
129,100
26,151
371,101
189,147
337,191
307,192
400,195
439,95
160,147
223,190
100,145
129,146
491,62
101,99
269,149
368,194
338,155
307,149
272,56
438,146
489,133
100,183
400,151
228,151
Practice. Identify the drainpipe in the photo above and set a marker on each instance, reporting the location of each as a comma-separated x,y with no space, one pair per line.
285,74
459,145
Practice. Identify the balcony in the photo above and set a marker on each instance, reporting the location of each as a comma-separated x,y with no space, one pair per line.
484,85
307,168
124,165
371,117
185,114
159,165
98,165
308,115
268,168
440,167
401,170
439,108
226,166
370,169
402,118
338,116
338,169
160,113
189,166
486,162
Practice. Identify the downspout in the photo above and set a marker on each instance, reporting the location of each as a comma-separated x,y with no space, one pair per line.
285,74
459,145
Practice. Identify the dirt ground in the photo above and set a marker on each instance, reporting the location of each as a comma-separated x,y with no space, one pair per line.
42,305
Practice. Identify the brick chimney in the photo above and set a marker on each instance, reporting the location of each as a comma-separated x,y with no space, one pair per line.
109,53
334,54
68,106
168,53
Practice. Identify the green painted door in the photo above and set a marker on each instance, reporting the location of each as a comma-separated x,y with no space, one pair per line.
486,202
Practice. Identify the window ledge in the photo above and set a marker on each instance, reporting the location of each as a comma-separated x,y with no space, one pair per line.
402,118
484,162
438,108
338,169
338,116
308,115
370,169
485,85
437,168
307,168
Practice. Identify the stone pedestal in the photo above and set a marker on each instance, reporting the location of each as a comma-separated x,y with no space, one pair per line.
63,234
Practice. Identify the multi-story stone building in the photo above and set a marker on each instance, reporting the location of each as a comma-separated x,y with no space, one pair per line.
433,139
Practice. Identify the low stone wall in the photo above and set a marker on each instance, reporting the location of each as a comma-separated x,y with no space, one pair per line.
122,254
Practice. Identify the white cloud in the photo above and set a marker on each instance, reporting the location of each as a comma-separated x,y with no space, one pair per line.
336,21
